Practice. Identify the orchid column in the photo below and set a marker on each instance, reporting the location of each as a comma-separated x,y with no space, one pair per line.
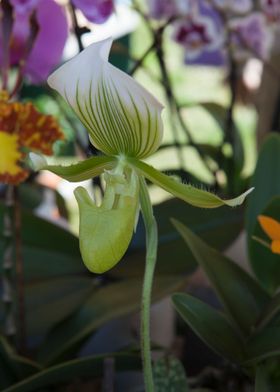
124,122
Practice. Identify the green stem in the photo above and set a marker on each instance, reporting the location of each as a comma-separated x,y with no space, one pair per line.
151,256
9,327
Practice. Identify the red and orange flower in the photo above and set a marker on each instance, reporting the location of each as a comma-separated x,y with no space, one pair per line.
23,129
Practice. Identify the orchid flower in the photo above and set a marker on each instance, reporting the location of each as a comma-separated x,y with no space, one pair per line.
96,11
199,33
160,9
250,36
271,9
124,122
234,6
22,129
46,50
272,229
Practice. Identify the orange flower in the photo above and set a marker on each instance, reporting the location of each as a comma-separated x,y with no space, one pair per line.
272,228
23,128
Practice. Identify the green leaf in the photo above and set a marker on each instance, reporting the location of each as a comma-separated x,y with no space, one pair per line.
194,196
83,170
217,227
270,311
242,297
170,376
266,264
261,382
102,306
68,371
12,366
265,180
267,377
48,250
263,344
52,300
210,325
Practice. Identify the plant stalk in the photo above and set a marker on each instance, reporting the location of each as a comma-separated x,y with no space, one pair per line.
9,324
151,256
19,272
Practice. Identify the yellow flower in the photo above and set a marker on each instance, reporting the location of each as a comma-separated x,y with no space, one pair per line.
272,228
23,128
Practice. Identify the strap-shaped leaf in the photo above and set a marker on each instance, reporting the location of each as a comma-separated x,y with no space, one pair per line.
210,325
265,263
108,302
271,311
13,367
84,170
264,344
92,367
243,298
196,197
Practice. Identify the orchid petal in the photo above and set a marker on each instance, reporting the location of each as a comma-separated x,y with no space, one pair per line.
49,43
194,196
106,231
80,171
122,118
96,11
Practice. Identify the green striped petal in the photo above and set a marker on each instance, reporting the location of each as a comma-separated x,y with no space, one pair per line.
77,172
194,196
106,231
121,117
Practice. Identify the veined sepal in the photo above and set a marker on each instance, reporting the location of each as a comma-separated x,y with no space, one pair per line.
119,114
194,196
106,230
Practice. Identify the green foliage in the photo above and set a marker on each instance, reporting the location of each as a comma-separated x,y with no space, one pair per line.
210,325
218,227
250,321
89,367
241,296
13,367
267,186
265,263
169,376
103,305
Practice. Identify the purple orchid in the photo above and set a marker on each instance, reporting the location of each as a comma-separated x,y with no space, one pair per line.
234,6
250,36
46,50
164,9
96,11
202,35
271,9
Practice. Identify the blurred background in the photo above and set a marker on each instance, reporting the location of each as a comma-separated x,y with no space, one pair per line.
214,65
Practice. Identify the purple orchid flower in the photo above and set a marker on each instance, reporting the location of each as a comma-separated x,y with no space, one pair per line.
251,36
202,35
271,9
164,9
96,11
234,6
46,50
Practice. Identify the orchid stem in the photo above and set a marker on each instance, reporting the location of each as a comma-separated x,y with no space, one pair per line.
9,322
19,273
151,256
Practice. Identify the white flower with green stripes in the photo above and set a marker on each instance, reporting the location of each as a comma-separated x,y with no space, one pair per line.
124,122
